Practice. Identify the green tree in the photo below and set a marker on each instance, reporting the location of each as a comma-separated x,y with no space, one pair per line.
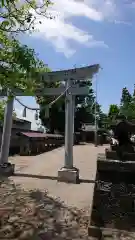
84,106
56,118
113,111
103,120
126,107
127,104
18,63
84,109
126,97
2,110
20,16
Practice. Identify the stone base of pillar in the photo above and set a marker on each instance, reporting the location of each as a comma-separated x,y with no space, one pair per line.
94,232
68,175
7,169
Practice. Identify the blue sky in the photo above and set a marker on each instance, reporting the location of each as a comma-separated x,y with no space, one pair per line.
84,33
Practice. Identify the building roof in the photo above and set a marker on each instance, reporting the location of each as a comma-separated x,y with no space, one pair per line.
39,135
21,120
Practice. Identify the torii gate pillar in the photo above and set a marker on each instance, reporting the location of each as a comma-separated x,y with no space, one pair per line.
69,173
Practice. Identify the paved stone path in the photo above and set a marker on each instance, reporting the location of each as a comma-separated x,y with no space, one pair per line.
40,172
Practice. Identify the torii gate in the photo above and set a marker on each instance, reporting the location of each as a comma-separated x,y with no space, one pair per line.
68,173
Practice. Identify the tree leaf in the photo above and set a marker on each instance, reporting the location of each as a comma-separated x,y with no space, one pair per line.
5,23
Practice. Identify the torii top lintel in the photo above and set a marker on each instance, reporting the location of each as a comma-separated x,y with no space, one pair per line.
82,73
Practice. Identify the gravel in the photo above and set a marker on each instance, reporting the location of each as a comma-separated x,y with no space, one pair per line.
36,215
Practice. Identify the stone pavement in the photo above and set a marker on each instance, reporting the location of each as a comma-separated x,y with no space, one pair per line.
40,172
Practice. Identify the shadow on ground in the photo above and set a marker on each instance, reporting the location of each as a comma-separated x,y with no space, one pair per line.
49,177
35,215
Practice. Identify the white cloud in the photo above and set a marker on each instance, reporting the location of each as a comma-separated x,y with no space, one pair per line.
60,30
116,11
69,8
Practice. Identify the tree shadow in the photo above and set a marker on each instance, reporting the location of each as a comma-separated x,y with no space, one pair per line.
49,177
37,216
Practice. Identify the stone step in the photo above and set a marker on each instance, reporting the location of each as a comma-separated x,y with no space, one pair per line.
113,147
109,233
104,164
112,154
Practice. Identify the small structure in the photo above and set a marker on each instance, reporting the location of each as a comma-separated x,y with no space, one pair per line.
88,133
17,126
32,143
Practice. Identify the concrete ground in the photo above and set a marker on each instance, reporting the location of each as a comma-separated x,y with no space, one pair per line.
40,172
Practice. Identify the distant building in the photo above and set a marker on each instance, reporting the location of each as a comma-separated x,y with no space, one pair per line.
21,124
89,127
18,123
88,132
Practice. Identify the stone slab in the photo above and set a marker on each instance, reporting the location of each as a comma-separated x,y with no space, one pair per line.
129,157
104,164
113,147
7,169
95,232
68,175
110,154
108,233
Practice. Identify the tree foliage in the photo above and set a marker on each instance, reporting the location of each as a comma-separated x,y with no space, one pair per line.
2,110
126,97
126,107
21,16
18,63
113,111
84,109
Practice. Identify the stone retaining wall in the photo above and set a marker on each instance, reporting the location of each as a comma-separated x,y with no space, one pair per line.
114,198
